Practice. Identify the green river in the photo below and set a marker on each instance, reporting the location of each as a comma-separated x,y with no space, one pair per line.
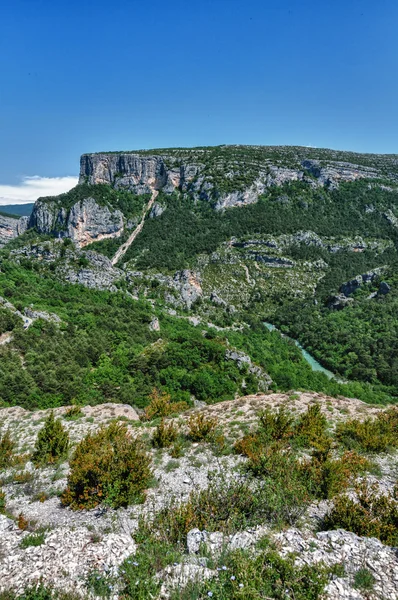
315,365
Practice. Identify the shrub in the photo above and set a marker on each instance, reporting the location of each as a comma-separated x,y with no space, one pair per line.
278,427
37,592
372,514
52,442
371,435
22,523
326,476
98,584
178,448
6,450
311,428
73,412
272,427
162,406
107,466
200,427
250,446
24,477
275,425
270,457
165,435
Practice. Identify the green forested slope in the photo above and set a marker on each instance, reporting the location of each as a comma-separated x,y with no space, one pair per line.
105,350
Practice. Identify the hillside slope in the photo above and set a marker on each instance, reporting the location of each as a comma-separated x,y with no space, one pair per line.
301,238
119,552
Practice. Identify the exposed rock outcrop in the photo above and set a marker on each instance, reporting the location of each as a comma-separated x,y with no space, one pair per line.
140,173
384,288
339,301
85,267
11,228
331,174
243,361
344,299
41,314
188,170
351,286
84,223
88,222
98,274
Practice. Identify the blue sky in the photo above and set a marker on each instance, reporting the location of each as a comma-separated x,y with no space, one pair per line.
82,76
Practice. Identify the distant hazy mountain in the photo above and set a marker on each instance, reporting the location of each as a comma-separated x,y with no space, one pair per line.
22,210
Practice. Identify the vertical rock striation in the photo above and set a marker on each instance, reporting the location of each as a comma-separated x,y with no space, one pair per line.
11,228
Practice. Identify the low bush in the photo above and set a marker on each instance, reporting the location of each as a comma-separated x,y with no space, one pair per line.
262,575
364,580
38,592
33,539
107,466
24,477
177,449
22,522
326,476
311,429
230,506
52,442
165,435
137,575
200,427
275,425
99,584
371,514
161,406
250,446
73,412
7,446
2,502
321,477
371,435
279,427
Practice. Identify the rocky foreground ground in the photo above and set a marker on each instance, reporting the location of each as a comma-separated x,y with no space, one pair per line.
77,543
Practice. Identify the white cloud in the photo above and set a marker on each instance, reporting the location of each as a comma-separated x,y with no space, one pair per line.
31,188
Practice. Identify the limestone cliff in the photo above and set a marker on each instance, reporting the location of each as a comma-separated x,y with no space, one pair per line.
224,176
140,174
11,228
229,176
84,223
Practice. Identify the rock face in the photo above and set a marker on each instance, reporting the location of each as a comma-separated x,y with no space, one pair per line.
89,222
11,228
225,176
86,222
243,361
41,314
330,175
351,286
193,170
99,274
140,173
343,299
